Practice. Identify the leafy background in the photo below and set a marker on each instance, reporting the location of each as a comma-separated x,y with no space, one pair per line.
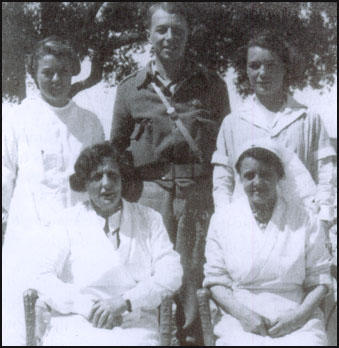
112,42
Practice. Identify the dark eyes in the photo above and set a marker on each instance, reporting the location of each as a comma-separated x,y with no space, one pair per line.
252,175
257,65
98,176
175,31
50,73
249,175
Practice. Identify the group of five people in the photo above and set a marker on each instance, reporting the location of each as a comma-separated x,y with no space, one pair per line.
105,263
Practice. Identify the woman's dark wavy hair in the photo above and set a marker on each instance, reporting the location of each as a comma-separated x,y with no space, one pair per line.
56,46
264,155
274,42
91,157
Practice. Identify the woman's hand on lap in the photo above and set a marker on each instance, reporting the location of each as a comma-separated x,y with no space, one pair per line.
286,323
107,313
255,323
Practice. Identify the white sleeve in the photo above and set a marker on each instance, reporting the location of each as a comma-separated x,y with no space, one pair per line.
325,196
318,259
63,297
223,185
325,156
223,174
9,159
215,271
166,274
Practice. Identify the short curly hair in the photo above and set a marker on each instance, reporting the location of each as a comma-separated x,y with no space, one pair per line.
57,47
91,157
274,42
264,155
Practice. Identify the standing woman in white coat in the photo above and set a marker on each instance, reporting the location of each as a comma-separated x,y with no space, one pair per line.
40,143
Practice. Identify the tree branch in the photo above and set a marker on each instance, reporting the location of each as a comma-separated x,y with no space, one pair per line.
99,58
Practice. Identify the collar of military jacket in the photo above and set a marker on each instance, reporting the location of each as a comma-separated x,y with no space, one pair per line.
145,76
292,111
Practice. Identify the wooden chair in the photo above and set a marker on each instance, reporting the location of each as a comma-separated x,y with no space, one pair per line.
204,297
37,315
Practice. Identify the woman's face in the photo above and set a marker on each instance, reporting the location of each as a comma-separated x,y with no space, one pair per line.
54,77
265,71
259,180
104,187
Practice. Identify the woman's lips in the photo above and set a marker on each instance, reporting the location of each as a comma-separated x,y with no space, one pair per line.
108,195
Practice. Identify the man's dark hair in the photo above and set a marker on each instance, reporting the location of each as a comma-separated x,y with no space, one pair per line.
177,8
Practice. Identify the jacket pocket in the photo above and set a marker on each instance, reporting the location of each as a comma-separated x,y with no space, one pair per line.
142,144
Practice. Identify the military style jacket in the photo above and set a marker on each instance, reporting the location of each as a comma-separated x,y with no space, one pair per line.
142,124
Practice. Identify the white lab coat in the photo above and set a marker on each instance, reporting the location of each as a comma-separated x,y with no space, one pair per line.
267,270
80,264
40,144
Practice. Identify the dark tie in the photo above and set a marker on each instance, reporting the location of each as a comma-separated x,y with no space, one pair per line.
116,231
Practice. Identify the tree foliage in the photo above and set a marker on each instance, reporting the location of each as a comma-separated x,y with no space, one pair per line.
108,32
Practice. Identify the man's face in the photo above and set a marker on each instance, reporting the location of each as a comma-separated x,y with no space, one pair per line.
168,35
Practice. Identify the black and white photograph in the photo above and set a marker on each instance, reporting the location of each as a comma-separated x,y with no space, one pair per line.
169,174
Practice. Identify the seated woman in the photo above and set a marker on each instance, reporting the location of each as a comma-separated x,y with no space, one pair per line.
267,265
108,263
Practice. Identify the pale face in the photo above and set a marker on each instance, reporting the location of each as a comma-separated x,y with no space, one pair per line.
54,79
259,180
104,187
168,35
265,71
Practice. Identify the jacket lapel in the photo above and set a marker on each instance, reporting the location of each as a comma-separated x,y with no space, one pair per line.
292,112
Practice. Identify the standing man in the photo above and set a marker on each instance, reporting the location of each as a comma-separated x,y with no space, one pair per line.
169,114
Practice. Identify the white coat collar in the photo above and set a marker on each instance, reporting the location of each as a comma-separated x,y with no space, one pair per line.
291,111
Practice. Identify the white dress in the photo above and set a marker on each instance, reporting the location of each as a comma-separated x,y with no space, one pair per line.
40,144
79,264
266,270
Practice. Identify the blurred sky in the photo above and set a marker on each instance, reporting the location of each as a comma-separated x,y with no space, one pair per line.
100,98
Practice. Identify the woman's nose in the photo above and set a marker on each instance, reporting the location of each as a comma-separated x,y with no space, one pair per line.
169,34
56,77
262,70
105,180
257,180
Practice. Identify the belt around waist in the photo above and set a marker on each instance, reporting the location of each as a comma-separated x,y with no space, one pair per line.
172,171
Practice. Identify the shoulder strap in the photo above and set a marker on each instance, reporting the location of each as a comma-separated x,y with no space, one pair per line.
174,116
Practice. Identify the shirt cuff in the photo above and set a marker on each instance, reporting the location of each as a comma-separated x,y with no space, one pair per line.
83,305
220,159
319,279
144,298
326,213
217,280
325,152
